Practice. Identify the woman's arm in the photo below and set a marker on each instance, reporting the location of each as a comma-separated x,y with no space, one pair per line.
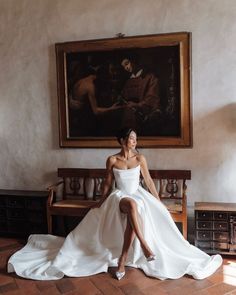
147,178
107,184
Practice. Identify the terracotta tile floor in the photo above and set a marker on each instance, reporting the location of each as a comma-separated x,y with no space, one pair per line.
135,282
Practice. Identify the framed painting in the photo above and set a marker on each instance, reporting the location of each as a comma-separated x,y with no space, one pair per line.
142,82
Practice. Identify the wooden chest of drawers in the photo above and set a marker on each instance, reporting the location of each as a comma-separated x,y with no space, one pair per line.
215,229
22,212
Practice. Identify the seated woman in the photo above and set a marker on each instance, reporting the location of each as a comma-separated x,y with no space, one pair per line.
129,227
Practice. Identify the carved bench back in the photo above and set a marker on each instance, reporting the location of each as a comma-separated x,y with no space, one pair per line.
81,183
86,184
171,183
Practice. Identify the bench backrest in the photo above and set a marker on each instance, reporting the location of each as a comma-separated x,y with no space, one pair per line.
171,183
82,183
86,183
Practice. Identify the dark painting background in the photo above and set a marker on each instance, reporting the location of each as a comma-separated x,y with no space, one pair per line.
162,61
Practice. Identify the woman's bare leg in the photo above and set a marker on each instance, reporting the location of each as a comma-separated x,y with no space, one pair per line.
129,207
128,240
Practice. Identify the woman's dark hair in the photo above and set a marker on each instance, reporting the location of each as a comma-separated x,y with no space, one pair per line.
124,133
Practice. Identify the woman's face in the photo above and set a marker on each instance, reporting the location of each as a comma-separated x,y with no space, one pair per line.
131,140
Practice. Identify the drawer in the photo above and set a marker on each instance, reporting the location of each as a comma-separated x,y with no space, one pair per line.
15,202
38,228
221,236
220,246
204,224
204,245
17,227
35,204
220,225
220,216
204,215
3,226
37,216
232,248
204,235
3,213
16,213
2,202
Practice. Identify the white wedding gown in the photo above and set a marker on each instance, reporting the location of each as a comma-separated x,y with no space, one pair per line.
96,243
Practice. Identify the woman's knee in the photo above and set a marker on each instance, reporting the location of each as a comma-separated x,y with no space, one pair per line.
128,205
131,206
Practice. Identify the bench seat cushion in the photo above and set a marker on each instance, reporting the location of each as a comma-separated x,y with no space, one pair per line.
77,208
73,204
80,204
174,208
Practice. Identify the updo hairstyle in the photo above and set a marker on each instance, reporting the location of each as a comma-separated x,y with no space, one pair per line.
124,134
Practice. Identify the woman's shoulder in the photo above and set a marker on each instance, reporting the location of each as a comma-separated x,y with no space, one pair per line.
111,159
142,160
140,157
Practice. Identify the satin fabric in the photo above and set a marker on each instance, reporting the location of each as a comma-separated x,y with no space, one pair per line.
96,243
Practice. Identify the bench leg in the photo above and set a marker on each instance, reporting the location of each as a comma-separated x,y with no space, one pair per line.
49,220
185,229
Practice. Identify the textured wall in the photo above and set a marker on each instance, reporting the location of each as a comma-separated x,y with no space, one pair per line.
28,119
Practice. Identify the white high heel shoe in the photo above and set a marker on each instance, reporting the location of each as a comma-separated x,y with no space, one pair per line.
120,275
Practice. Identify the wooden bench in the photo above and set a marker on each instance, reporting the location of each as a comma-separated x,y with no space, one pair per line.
80,188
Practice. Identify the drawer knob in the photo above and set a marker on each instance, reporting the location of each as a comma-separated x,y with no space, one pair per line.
203,235
204,225
204,214
220,215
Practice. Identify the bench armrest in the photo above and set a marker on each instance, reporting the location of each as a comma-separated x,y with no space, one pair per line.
50,198
52,191
53,187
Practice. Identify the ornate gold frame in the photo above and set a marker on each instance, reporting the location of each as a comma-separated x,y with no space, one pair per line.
182,40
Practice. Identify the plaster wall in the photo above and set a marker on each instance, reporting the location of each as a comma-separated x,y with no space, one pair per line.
30,154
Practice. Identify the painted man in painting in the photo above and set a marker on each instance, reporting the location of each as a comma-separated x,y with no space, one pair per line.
85,112
141,96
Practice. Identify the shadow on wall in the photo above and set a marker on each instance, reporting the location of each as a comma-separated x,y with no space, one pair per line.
52,175
215,146
52,85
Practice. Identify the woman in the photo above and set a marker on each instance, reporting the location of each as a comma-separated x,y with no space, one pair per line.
129,211
128,158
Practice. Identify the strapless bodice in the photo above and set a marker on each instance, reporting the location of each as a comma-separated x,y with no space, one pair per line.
127,180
